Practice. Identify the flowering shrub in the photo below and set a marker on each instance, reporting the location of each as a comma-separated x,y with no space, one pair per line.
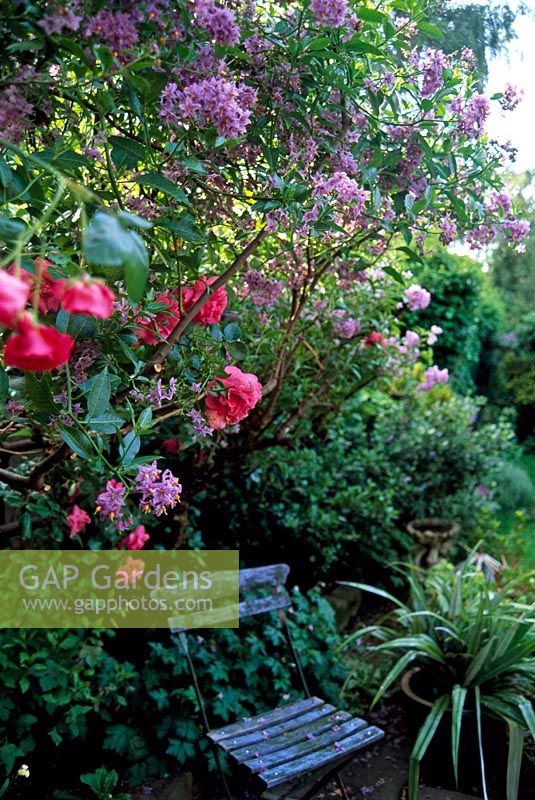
194,189
341,497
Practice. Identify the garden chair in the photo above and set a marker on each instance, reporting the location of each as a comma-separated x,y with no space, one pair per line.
304,742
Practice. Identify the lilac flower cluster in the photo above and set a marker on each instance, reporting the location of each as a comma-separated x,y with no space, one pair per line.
433,65
516,229
119,30
15,113
60,18
65,417
122,307
448,229
346,328
433,376
262,291
219,22
329,12
512,96
215,101
417,298
277,218
159,393
199,425
85,355
159,490
499,201
472,115
481,236
256,45
14,408
346,188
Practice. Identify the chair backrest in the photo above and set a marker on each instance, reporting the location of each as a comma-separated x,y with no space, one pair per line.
262,589
270,584
259,579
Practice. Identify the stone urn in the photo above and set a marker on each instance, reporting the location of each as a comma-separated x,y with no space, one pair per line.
436,537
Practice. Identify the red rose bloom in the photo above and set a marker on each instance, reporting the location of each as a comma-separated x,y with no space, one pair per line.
89,297
244,391
374,338
50,290
77,519
213,309
135,540
163,323
14,294
171,446
37,348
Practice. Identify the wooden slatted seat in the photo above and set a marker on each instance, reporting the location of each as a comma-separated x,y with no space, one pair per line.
287,745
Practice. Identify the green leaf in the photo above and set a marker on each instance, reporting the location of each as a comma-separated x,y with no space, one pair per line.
430,30
39,393
371,15
131,149
514,760
106,422
526,709
98,398
458,697
412,254
423,740
118,738
145,418
4,386
398,668
480,741
10,229
136,275
183,227
78,325
232,332
157,181
237,350
394,274
107,243
129,447
101,782
132,219
8,754
78,441
216,333
357,45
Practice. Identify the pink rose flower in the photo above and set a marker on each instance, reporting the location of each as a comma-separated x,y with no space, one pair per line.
89,297
77,519
14,294
417,298
50,290
37,348
374,338
135,540
171,446
163,323
244,391
213,309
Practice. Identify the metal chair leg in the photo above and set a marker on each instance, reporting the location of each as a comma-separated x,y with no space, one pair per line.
333,774
342,786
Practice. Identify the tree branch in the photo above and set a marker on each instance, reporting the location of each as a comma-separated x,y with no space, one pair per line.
164,347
